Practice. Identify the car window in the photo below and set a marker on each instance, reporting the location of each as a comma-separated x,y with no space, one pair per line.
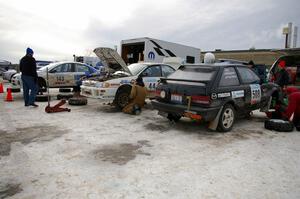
229,77
152,71
166,70
194,73
63,68
247,75
81,68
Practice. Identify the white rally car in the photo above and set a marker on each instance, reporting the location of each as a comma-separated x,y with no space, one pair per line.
117,86
60,75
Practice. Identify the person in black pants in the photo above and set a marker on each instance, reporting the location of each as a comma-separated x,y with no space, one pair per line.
29,78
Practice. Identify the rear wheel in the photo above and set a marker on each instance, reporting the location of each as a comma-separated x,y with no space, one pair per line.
227,118
174,117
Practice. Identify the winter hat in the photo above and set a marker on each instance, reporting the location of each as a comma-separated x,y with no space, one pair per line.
29,51
281,64
139,81
251,62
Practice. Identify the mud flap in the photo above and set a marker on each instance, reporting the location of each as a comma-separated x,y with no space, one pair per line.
214,124
267,106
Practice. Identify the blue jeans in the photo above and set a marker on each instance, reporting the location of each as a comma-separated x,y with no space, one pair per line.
30,89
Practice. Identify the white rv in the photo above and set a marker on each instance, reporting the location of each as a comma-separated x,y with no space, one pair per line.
153,50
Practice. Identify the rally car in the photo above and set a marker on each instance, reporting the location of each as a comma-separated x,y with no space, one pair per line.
116,87
216,93
60,75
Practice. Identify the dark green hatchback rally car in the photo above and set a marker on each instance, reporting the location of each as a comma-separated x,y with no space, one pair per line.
216,93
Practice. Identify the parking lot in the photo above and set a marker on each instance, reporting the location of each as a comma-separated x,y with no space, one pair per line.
95,151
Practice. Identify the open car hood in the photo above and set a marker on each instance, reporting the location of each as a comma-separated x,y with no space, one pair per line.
111,59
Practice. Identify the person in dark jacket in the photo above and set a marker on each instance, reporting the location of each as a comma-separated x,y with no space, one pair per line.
259,70
282,77
29,78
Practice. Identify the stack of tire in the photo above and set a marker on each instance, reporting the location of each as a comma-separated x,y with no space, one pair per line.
279,125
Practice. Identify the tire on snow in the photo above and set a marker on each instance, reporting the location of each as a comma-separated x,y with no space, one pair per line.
65,96
279,125
42,98
78,101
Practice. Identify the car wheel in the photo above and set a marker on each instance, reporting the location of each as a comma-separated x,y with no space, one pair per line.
64,90
42,98
42,85
65,96
227,118
78,101
173,117
279,125
122,97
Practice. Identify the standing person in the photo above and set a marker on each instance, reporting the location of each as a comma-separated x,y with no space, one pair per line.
137,97
29,78
259,70
282,77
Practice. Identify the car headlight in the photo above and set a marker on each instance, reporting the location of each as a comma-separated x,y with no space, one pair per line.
163,94
106,85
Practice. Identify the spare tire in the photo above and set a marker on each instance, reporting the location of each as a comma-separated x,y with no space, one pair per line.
78,101
65,96
279,125
64,90
42,98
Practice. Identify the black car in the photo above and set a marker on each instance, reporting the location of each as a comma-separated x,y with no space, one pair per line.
216,93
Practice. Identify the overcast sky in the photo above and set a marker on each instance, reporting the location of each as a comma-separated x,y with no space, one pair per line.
57,29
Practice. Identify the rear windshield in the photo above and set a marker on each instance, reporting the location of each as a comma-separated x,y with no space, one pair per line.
195,73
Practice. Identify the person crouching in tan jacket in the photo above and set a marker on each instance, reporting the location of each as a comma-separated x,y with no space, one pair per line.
137,97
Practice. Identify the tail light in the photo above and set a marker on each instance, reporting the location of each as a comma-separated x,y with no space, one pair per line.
201,99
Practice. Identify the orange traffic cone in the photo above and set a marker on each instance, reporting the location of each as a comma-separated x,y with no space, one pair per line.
1,88
9,97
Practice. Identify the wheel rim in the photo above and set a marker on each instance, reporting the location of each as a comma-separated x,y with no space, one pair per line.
228,117
123,99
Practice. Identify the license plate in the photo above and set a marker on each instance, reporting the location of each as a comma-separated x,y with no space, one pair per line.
176,98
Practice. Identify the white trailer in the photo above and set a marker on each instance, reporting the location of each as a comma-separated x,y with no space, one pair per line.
153,50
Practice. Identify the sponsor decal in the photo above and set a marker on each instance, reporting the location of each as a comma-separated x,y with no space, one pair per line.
125,81
238,94
255,93
222,95
151,55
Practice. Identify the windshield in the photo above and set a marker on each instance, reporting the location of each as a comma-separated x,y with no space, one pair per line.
196,73
136,68
49,66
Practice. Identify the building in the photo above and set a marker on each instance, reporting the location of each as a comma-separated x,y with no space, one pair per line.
258,56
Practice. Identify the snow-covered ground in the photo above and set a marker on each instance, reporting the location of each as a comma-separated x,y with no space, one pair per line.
97,152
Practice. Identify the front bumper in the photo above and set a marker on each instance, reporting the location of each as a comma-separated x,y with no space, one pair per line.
105,94
207,114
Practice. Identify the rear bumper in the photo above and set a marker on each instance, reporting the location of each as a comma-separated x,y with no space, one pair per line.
208,114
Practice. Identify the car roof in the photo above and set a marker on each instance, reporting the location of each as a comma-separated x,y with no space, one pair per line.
215,65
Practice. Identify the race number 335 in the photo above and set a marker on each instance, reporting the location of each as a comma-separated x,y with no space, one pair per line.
255,93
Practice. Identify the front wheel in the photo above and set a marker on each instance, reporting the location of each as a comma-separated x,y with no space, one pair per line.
227,118
122,97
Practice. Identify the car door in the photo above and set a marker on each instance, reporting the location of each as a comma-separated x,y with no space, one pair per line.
80,71
253,90
230,86
151,75
61,75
